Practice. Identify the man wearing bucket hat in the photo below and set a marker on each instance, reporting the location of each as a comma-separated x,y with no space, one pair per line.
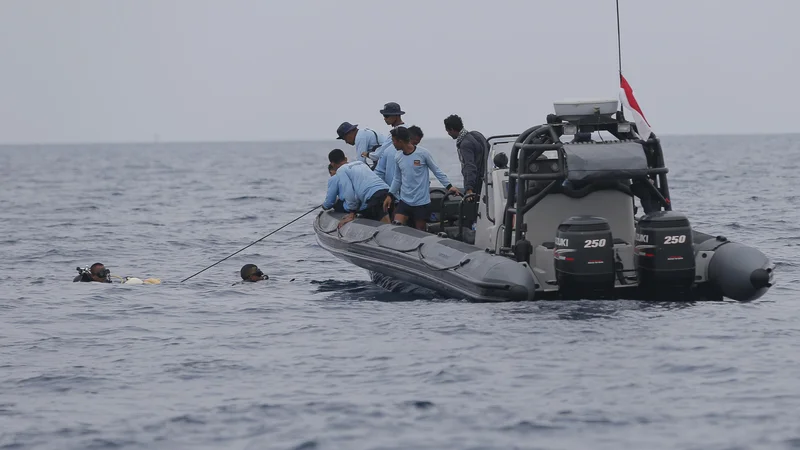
393,116
365,141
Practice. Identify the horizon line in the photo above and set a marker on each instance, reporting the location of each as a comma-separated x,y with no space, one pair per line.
282,141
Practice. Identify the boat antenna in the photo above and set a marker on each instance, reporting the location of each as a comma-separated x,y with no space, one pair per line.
621,112
257,241
619,45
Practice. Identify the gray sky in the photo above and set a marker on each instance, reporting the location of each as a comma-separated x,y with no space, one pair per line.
103,70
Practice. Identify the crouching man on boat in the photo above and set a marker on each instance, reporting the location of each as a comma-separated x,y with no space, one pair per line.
337,192
333,192
364,192
411,184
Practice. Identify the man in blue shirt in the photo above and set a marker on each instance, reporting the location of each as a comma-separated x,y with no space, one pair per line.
386,166
365,141
366,192
411,184
337,187
393,116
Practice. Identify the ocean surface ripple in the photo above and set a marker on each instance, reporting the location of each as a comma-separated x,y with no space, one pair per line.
319,357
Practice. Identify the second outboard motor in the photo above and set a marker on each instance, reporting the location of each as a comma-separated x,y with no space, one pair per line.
664,254
584,258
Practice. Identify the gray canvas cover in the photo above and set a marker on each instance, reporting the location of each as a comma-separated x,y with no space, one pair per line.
613,161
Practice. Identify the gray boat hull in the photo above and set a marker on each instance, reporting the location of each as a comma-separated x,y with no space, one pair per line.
446,266
731,270
459,270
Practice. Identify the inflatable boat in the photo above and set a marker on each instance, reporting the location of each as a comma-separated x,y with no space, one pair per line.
556,219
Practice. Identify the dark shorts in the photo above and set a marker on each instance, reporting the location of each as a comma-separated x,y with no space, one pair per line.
374,209
338,206
415,213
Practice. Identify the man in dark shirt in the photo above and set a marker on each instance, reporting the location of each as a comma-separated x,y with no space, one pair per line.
473,150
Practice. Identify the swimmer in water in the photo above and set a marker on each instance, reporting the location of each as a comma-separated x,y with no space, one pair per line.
99,274
96,273
251,273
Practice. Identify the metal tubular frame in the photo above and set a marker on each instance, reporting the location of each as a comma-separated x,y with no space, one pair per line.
518,202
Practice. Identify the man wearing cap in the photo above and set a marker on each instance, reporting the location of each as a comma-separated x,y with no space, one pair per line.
251,273
393,116
365,141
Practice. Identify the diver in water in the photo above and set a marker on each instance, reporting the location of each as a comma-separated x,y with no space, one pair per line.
99,274
251,272
96,273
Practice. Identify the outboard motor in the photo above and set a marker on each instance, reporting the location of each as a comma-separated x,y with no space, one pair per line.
664,254
584,258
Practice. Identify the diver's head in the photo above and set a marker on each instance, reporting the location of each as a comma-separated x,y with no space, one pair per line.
99,273
251,272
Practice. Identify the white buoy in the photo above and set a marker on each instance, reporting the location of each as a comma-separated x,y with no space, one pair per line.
132,280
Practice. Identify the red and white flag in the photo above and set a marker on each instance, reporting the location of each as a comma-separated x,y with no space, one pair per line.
629,101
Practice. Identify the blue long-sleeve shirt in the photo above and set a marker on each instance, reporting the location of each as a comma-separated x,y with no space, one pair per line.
387,145
387,166
338,186
376,155
366,139
411,183
364,184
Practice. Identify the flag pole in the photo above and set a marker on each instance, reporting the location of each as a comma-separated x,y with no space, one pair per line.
619,44
621,114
